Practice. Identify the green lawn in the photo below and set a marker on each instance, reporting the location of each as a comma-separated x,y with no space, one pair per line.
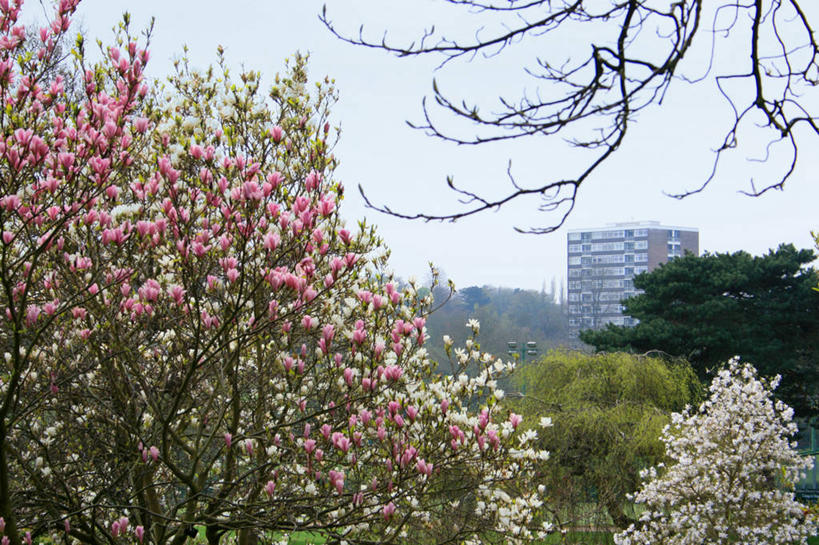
591,538
296,538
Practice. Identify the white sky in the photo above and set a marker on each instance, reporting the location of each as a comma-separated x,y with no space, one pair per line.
668,149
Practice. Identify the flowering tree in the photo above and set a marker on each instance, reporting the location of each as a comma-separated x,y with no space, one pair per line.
732,474
194,340
62,166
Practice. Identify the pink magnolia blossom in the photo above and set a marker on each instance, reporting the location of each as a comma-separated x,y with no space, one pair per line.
337,480
515,419
444,405
309,446
276,133
388,510
325,431
423,467
412,412
393,372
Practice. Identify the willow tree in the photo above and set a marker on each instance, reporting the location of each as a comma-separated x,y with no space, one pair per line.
607,412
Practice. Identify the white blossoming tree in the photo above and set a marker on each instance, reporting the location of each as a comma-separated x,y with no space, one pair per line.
731,474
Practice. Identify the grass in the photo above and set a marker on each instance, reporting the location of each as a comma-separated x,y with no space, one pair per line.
591,538
575,538
295,538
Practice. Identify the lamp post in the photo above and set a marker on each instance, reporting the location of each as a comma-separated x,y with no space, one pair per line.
526,349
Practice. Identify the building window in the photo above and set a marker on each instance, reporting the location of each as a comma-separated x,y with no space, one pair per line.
613,258
641,245
673,234
574,248
629,271
612,271
592,284
674,249
641,232
574,236
607,247
641,258
606,234
629,233
587,248
628,258
574,260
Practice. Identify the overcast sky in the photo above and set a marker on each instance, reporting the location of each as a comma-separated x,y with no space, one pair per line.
668,149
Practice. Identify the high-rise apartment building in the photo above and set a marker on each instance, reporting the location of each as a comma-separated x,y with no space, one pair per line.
603,262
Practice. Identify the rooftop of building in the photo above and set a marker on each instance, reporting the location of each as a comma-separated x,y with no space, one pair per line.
649,224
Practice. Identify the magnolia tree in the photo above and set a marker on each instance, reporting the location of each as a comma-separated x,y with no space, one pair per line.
732,473
195,342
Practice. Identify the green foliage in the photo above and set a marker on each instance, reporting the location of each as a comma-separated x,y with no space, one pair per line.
710,308
607,412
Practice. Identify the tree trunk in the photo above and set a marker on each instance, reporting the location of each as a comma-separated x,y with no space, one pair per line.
614,507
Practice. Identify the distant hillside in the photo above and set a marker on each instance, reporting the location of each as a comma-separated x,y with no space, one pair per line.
505,314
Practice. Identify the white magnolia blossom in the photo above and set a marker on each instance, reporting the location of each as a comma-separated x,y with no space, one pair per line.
731,474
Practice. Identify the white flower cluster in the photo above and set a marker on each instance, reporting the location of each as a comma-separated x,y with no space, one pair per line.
731,474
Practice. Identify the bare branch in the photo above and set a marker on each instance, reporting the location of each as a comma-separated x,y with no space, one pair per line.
587,98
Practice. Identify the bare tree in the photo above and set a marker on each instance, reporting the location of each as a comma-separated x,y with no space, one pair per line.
633,53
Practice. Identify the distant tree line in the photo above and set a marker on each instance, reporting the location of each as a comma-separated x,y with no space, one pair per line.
505,314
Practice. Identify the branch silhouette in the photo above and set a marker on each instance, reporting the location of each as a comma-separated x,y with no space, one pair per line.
633,57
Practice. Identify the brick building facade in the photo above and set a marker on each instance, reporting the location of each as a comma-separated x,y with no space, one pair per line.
602,263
